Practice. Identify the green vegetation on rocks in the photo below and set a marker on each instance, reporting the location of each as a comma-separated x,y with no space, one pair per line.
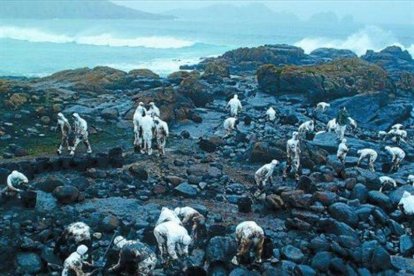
216,70
331,80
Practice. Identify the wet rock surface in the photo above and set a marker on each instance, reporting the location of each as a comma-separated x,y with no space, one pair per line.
332,221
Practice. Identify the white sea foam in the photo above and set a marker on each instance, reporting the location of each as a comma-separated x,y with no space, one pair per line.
103,39
368,38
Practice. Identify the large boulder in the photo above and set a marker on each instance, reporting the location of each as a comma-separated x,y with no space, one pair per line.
177,77
342,212
380,199
393,59
66,194
329,54
97,79
322,260
292,253
50,183
196,90
331,80
16,100
186,190
374,256
141,79
338,228
265,152
249,59
143,73
221,249
215,71
376,111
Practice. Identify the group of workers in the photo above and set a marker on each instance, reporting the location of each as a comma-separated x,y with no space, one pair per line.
339,125
147,126
176,230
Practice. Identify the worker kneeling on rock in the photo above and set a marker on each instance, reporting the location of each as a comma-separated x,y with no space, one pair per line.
16,183
75,234
229,125
172,238
342,151
81,133
190,217
76,261
134,257
397,155
249,235
265,173
369,154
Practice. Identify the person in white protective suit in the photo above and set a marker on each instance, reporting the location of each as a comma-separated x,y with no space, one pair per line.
397,135
342,121
235,106
249,235
134,256
153,110
190,217
147,127
331,126
265,174
136,121
65,129
81,133
407,203
74,234
322,106
16,183
293,155
342,151
172,238
161,133
306,127
271,114
386,180
369,154
76,261
229,125
397,156
167,215
397,126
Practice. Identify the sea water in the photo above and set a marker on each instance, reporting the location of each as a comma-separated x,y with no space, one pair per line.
36,48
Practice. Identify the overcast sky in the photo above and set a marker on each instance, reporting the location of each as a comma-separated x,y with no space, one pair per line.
370,12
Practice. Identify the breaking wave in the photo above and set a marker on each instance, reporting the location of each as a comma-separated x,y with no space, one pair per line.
104,39
368,38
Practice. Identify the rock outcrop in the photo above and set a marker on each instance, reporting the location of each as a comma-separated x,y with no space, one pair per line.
323,82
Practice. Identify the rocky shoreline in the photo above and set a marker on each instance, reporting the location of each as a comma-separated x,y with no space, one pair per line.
333,221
